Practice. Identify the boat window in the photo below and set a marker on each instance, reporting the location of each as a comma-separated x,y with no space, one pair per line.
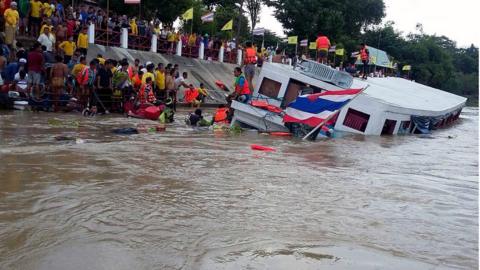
389,127
356,120
269,88
404,127
296,88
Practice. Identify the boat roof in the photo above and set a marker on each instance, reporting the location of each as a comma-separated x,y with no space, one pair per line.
408,94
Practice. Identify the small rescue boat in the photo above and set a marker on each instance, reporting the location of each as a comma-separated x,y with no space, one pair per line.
146,111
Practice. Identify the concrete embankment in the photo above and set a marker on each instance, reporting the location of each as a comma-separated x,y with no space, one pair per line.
199,71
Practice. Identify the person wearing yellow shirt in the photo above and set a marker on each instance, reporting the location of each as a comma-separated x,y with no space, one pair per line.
149,73
192,39
47,24
68,47
202,94
82,42
133,27
47,9
100,59
11,23
35,17
170,40
157,30
79,67
160,81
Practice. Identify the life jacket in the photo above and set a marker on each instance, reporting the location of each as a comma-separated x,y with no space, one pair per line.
221,115
82,76
137,82
250,56
323,43
151,96
239,90
364,54
144,97
191,95
131,72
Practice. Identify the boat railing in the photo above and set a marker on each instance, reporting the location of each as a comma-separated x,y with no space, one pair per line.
325,73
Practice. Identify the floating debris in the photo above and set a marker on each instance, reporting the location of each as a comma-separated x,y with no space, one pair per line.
59,123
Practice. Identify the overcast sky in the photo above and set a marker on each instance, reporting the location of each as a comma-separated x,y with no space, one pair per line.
456,19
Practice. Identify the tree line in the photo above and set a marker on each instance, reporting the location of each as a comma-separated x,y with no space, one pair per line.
436,61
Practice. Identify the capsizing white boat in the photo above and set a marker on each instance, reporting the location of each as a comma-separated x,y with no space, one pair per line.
388,106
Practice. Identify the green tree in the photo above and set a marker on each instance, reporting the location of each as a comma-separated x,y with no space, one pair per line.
165,10
253,8
270,39
334,18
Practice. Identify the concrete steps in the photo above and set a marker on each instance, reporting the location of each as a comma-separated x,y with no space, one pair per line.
199,71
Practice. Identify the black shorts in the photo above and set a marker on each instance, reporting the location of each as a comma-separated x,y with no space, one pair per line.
35,21
83,51
322,53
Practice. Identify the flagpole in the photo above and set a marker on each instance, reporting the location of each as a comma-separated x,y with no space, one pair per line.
108,10
332,115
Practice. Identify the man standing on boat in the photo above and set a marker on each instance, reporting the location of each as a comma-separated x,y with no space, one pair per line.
364,56
323,44
250,60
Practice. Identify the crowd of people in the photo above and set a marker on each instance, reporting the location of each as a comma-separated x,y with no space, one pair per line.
55,70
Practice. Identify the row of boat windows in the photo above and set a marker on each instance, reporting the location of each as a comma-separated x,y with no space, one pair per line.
359,120
354,119
271,89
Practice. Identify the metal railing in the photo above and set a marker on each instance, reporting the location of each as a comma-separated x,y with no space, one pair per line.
110,38
325,73
141,43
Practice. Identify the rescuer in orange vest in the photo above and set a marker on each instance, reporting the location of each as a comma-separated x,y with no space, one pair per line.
249,60
221,115
242,91
365,57
323,44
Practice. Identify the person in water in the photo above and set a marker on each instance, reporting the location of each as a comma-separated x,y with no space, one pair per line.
195,117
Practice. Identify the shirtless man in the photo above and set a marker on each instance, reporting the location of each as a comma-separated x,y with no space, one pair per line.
60,34
59,74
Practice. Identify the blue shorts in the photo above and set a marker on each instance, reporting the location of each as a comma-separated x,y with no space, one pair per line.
243,98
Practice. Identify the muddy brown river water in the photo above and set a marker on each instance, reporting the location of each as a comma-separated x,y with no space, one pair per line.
195,199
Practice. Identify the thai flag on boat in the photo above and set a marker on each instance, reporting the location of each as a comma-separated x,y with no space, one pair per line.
313,109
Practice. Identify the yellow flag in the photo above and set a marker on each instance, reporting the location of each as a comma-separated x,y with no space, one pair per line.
293,40
188,15
340,51
407,68
313,46
228,26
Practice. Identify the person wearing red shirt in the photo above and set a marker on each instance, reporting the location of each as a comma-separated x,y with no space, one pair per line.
323,44
35,68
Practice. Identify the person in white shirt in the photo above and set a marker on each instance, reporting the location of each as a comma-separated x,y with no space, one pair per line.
47,39
180,81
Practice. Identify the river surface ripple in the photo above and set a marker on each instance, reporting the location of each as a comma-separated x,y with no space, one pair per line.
195,199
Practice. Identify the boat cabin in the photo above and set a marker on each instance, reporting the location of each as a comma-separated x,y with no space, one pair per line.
388,106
